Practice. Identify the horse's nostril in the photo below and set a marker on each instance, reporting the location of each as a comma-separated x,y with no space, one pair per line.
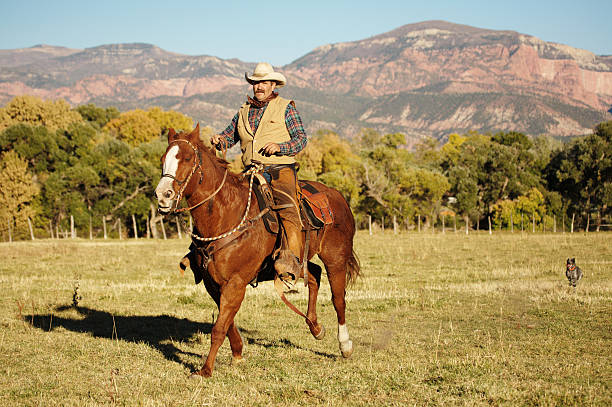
168,194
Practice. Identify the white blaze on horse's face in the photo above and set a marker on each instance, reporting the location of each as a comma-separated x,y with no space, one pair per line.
164,190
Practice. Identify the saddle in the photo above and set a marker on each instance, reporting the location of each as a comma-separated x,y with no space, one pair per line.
314,206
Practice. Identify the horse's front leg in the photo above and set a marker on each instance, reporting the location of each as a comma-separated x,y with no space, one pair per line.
314,281
232,295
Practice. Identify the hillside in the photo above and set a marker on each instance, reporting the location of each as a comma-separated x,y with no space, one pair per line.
425,79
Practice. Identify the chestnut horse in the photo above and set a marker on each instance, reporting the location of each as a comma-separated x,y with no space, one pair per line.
217,199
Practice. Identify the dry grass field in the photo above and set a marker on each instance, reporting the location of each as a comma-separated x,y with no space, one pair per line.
437,319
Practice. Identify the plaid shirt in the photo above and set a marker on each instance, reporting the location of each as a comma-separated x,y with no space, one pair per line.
293,122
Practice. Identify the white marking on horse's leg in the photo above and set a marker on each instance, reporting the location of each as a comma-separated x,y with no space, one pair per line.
346,345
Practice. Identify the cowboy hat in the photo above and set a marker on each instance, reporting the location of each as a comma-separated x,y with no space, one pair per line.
265,72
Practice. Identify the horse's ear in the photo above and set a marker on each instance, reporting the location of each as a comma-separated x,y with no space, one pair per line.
196,132
171,134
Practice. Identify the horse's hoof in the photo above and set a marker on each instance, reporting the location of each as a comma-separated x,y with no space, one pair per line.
320,334
346,348
237,360
200,374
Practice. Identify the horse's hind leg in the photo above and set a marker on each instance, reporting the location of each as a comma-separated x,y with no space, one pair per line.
314,281
336,273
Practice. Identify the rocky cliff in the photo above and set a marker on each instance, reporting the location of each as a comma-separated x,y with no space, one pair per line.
425,79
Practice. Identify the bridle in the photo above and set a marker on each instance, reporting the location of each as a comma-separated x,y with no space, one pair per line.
197,165
183,184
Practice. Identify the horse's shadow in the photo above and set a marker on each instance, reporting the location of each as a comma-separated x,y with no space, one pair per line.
158,331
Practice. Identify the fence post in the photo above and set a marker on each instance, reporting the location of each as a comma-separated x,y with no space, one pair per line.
104,226
443,226
394,225
8,223
554,223
588,222
490,231
178,227
120,236
72,235
419,223
467,225
148,228
134,224
31,230
163,228
533,222
370,224
573,216
90,229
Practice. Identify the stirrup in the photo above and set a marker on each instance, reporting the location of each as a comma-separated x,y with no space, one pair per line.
288,278
287,268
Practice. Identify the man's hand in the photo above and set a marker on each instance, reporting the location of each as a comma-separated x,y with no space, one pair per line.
269,149
215,139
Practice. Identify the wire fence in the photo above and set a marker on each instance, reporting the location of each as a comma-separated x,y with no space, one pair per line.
169,227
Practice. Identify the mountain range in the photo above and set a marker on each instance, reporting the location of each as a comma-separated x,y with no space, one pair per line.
426,79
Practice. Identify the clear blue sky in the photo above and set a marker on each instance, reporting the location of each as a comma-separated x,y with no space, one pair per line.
282,31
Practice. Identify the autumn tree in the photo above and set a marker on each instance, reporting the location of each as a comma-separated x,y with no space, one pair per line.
17,191
139,126
330,160
34,111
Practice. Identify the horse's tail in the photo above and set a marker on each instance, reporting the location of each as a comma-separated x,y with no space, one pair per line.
353,268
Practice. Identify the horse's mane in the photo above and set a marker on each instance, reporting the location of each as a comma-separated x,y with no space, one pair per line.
210,152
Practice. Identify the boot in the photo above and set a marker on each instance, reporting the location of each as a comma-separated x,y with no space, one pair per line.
287,267
287,264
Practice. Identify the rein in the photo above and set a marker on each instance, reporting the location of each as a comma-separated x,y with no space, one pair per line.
243,221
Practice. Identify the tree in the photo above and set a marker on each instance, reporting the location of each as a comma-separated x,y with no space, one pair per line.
511,212
582,173
34,111
395,183
330,160
97,116
17,191
35,144
484,170
139,126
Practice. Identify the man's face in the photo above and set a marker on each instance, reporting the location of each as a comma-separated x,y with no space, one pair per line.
263,89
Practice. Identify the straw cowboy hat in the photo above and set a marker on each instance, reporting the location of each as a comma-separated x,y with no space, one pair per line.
265,72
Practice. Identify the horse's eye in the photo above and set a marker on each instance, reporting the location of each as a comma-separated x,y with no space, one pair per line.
188,159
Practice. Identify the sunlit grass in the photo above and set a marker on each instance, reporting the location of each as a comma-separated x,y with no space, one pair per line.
437,319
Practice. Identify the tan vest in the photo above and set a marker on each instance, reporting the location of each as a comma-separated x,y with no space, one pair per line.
272,128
